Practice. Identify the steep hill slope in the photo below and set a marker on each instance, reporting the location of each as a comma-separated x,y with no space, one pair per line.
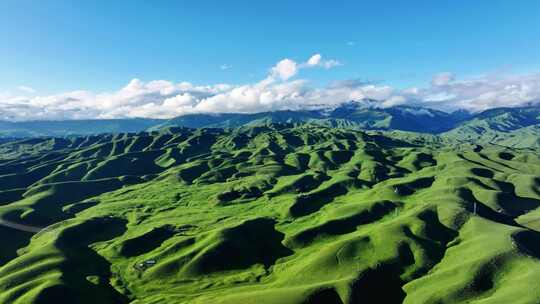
514,127
273,214
233,120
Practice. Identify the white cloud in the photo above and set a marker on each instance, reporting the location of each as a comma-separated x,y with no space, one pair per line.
225,66
411,91
442,79
317,61
314,60
438,97
26,89
393,101
285,69
371,92
278,91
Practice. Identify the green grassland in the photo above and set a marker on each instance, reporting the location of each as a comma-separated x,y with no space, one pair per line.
284,214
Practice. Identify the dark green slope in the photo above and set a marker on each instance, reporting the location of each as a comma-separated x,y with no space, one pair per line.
232,120
267,214
514,127
508,119
404,118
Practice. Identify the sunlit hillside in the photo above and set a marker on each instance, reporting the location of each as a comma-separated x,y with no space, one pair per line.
275,214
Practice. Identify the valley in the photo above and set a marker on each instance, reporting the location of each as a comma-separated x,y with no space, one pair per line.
276,213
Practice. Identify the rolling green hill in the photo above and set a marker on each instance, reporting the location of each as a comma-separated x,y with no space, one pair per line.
268,213
513,127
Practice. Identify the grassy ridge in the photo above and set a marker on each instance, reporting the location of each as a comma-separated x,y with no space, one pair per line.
268,214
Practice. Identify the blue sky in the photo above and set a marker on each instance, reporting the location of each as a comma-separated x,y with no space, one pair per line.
99,46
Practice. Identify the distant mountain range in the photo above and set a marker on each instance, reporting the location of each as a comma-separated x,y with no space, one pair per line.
513,127
517,127
355,115
61,128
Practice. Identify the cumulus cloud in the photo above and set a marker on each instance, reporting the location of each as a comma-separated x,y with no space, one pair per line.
317,61
285,69
288,68
370,91
314,60
490,91
278,91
